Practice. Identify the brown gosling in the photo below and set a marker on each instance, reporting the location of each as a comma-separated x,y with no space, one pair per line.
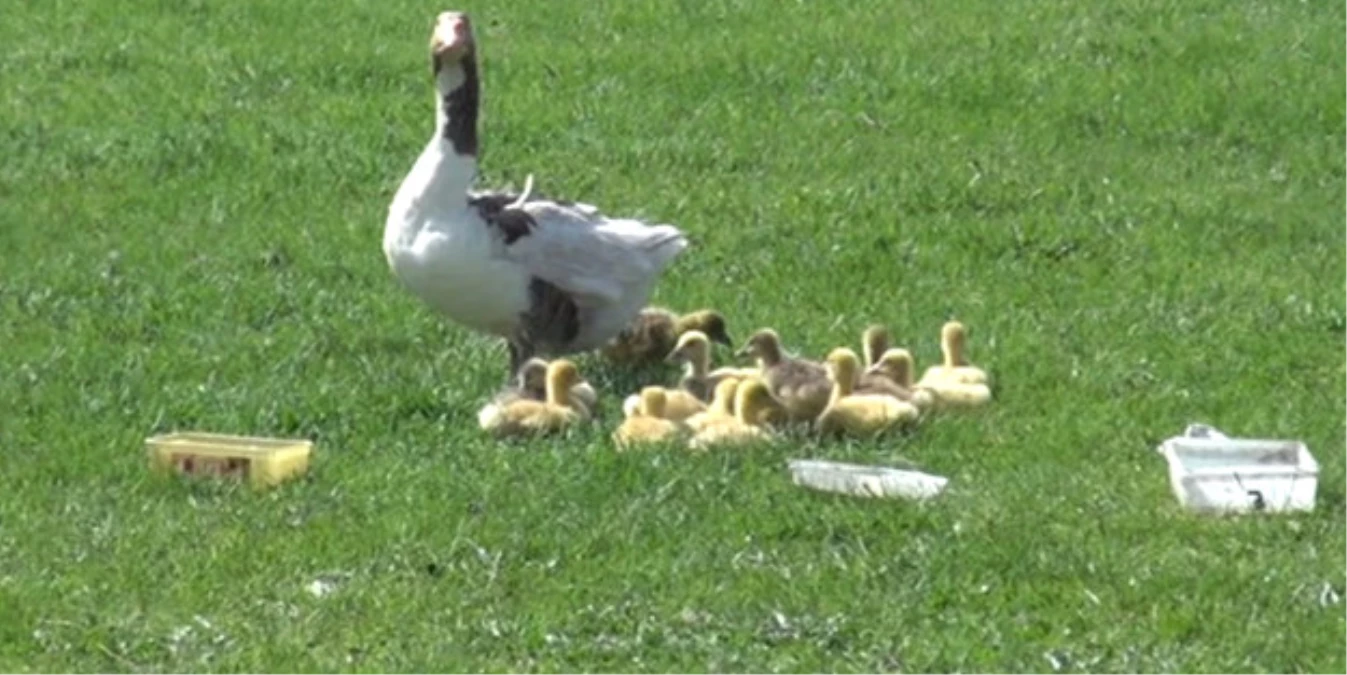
655,331
801,386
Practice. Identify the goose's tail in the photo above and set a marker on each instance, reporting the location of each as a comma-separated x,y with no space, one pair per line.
663,244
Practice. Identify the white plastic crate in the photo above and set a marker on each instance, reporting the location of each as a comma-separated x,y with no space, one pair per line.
1212,473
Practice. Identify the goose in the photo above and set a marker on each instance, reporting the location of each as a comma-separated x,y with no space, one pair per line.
550,277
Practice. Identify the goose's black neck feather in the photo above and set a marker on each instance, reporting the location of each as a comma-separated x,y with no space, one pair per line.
461,106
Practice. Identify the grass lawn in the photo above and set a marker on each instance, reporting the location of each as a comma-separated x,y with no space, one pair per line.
1137,206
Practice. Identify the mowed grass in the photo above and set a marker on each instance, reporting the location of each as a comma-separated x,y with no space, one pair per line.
1136,205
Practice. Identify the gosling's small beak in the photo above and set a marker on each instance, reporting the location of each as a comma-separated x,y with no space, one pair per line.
746,350
724,339
674,357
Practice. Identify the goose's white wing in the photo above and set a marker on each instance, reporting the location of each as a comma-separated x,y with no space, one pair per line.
598,260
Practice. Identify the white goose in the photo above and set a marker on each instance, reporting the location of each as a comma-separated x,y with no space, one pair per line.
551,277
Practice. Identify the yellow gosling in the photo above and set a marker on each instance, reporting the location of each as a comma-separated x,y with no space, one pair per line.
862,415
534,375
648,426
678,405
874,342
948,394
953,343
524,417
531,383
722,405
752,400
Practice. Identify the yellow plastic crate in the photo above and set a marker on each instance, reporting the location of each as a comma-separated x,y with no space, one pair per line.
262,461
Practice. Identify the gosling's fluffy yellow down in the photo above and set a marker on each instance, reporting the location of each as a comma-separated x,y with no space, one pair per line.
648,424
751,399
874,342
528,417
858,415
678,405
950,394
955,383
953,345
531,382
722,405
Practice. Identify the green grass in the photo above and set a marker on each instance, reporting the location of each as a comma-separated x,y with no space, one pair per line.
1136,205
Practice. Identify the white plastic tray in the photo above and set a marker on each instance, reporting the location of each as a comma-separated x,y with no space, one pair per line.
1218,474
865,481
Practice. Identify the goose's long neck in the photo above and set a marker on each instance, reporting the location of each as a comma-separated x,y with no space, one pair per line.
460,98
448,166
